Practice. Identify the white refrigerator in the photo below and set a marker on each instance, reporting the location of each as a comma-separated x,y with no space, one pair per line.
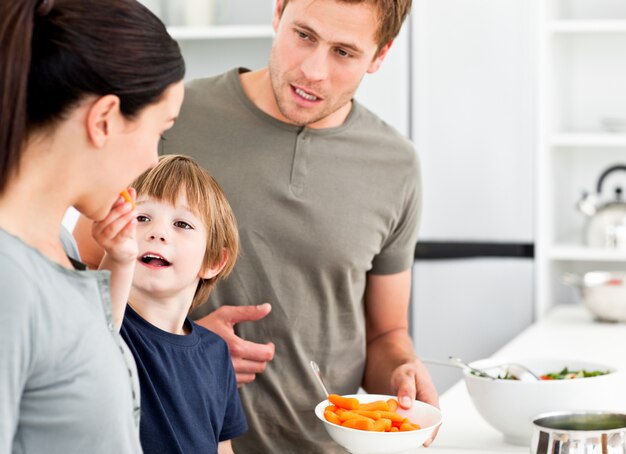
473,90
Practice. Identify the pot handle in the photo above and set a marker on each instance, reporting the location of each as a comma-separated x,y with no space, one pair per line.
571,279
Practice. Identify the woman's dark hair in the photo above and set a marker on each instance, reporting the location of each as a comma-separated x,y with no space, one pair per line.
55,53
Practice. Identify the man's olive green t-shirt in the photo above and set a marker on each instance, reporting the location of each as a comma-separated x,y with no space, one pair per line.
317,210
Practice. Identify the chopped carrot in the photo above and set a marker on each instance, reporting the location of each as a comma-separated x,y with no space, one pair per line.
392,415
344,415
126,196
360,424
348,403
406,426
393,404
331,416
370,414
377,405
385,423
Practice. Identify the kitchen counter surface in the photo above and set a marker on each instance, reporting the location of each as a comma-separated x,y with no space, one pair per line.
567,332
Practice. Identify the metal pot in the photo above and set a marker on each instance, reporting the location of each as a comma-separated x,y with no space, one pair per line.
606,222
579,433
603,292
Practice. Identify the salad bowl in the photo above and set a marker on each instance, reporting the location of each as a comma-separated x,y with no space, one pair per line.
510,405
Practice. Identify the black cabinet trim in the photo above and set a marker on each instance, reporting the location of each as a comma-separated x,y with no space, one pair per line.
441,250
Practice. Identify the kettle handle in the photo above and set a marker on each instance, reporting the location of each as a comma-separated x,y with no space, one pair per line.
606,173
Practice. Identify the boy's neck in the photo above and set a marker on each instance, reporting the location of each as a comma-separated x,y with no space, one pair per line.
168,314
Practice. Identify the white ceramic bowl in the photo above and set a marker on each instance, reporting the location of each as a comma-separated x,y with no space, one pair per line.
364,442
509,406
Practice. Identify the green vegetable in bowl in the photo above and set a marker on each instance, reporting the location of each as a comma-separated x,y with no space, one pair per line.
567,374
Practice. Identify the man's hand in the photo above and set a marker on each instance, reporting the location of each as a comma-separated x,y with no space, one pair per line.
412,381
249,358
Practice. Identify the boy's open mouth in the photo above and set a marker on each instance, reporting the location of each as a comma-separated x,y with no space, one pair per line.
155,260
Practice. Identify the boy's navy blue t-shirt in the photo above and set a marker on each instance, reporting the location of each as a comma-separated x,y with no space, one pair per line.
189,398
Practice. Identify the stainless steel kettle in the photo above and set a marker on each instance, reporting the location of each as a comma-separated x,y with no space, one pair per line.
579,433
606,221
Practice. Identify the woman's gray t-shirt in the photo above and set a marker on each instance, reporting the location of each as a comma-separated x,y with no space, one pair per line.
67,380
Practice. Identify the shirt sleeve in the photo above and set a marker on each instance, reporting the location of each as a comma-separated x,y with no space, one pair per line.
398,252
235,423
16,320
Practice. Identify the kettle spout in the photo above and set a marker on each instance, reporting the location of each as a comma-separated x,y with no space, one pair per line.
587,205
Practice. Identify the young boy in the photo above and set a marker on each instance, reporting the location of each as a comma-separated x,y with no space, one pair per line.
186,240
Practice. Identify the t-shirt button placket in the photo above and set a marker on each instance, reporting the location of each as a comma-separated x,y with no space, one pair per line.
300,164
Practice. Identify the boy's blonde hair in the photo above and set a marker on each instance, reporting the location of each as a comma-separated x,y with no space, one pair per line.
176,173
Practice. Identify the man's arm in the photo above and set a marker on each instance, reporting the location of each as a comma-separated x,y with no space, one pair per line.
392,366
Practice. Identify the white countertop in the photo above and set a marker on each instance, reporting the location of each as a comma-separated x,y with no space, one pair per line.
566,332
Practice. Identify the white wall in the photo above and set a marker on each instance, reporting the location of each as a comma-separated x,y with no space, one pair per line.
474,126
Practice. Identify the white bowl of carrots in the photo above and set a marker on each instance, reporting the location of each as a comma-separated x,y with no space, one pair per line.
375,424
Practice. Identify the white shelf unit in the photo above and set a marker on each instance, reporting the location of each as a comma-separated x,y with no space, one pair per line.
220,32
581,73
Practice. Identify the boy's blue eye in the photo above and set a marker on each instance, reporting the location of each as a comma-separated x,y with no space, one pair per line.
142,218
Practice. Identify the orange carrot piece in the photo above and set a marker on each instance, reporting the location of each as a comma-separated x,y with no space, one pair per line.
386,424
126,196
360,424
406,426
394,429
379,425
370,414
393,404
332,417
378,405
348,403
332,408
344,415
395,417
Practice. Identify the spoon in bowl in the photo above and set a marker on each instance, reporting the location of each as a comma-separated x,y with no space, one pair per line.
318,375
515,370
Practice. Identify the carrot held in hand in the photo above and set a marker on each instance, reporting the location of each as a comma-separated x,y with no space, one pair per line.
126,196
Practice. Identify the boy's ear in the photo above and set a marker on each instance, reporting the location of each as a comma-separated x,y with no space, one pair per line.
213,269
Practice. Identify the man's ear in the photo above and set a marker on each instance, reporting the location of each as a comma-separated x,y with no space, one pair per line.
213,269
378,60
277,13
101,117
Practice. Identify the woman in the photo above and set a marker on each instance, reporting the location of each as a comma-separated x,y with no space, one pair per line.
86,90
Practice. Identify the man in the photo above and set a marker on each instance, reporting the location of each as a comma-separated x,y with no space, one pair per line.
327,198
